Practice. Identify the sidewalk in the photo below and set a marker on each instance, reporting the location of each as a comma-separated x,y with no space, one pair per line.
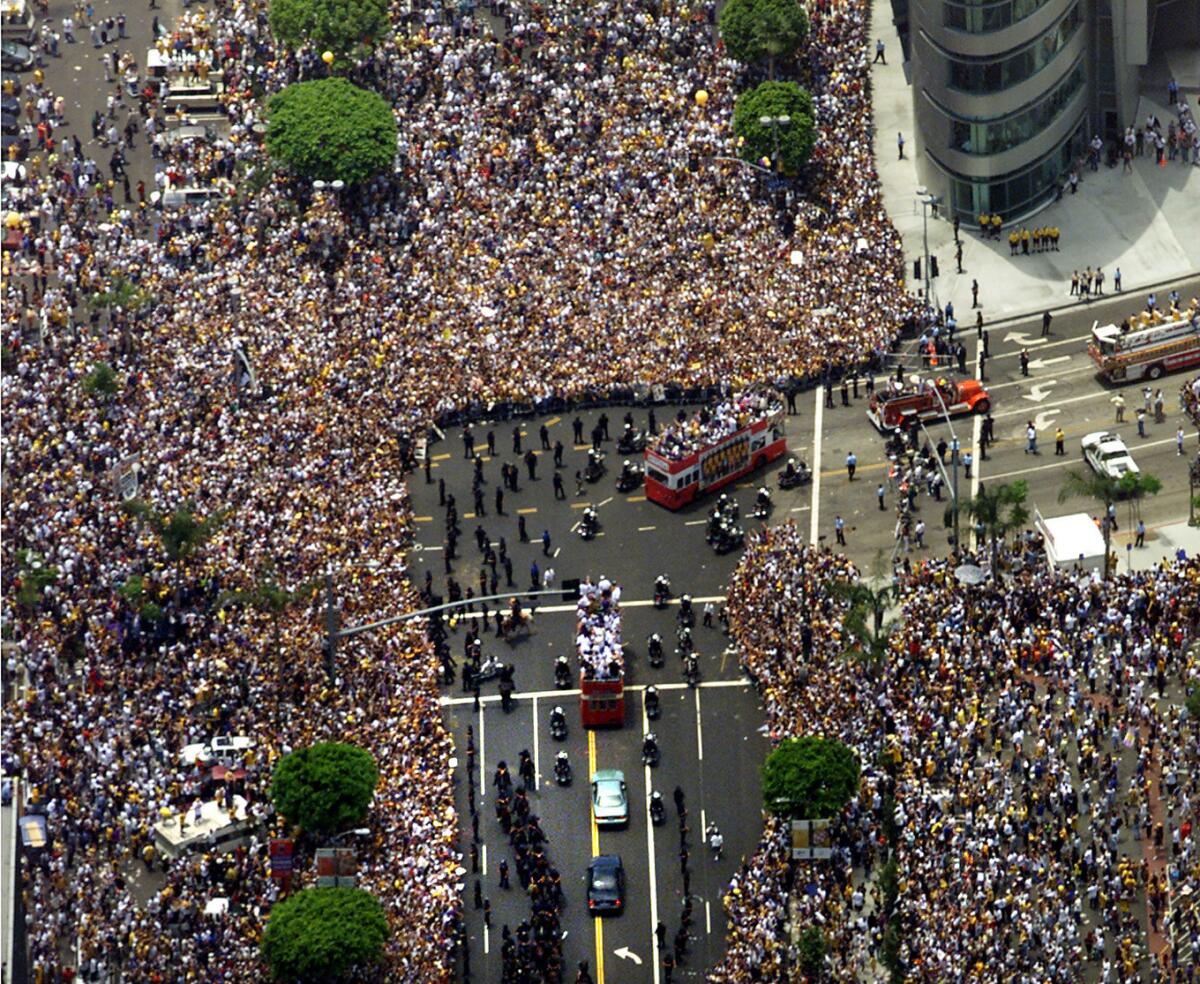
1144,222
1161,544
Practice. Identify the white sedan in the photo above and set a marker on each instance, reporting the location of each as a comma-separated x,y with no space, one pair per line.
1107,455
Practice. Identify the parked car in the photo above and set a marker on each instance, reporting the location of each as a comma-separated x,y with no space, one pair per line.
10,123
10,104
606,884
16,57
610,799
219,748
1107,455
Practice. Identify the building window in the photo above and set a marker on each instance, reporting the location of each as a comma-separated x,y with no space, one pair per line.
984,16
995,74
1018,192
998,135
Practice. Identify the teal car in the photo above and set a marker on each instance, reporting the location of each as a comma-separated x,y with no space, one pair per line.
610,799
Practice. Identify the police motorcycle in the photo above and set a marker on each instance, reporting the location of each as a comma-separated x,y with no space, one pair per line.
491,669
595,468
631,476
654,650
691,669
653,704
729,536
658,811
662,590
794,475
589,524
763,503
562,673
684,636
558,724
650,755
631,441
562,769
686,615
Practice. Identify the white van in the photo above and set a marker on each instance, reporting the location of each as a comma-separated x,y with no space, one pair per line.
182,197
16,20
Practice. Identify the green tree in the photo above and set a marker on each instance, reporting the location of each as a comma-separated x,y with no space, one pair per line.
330,130
813,947
788,145
34,578
124,294
1001,511
756,29
326,787
102,381
181,533
340,26
1135,486
324,934
1101,488
809,778
267,596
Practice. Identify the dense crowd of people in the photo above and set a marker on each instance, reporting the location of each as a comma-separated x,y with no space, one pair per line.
274,352
598,630
1026,756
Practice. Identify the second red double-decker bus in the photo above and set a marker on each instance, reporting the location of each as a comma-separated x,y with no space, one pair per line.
714,447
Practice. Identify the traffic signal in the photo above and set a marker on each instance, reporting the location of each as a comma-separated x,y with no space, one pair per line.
916,269
933,270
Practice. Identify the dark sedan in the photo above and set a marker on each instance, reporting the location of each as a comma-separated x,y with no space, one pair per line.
606,884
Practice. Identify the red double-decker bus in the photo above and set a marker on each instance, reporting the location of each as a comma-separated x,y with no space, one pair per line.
677,472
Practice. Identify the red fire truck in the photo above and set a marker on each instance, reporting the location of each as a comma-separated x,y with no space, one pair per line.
1152,345
674,482
890,409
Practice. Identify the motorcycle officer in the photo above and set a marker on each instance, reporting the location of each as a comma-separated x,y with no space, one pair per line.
558,723
650,749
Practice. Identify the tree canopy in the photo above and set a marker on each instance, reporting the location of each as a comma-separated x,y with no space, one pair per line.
329,25
809,778
330,130
758,141
325,787
322,934
753,30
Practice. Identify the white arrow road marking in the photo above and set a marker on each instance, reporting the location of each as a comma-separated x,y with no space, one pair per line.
627,954
1045,418
1023,340
1042,363
1039,391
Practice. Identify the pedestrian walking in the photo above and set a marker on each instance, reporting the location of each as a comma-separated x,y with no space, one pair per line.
559,491
880,492
1179,441
1047,317
546,543
680,807
958,256
1118,403
1141,534
851,465
1060,439
967,462
1030,438
899,140
502,870
839,530
660,933
974,293
1141,422
879,52
1024,362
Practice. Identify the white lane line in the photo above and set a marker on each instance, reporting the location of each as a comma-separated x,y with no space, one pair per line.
650,850
818,423
699,733
537,757
483,860
976,431
558,550
695,522
800,509
605,502
645,529
1031,411
495,699
707,917
487,942
1068,460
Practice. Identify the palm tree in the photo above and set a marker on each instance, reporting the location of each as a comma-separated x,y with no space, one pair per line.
270,598
180,533
1135,485
1000,511
773,31
1101,488
865,622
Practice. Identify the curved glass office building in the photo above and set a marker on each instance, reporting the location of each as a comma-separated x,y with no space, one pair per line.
1002,100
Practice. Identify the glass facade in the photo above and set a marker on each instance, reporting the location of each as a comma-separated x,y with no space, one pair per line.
984,75
1019,192
984,16
998,135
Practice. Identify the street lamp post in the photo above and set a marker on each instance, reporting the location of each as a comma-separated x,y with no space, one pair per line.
775,122
927,201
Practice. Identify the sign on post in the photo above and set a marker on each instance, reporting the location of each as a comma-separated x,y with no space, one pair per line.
336,867
811,840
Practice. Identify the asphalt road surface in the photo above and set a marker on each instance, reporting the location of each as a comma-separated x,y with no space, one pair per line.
711,739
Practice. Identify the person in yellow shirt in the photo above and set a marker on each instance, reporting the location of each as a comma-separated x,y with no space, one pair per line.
997,222
983,224
1014,242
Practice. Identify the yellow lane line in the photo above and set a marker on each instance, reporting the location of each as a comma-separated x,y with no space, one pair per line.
527,510
440,457
595,851
636,498
552,421
422,519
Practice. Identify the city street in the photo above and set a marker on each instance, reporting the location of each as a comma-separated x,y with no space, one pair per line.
711,738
